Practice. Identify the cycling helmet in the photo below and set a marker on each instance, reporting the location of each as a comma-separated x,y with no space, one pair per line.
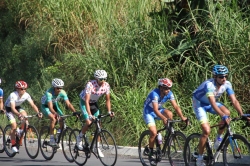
165,82
100,74
21,85
220,70
57,83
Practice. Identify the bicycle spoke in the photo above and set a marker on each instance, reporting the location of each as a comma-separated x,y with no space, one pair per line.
7,141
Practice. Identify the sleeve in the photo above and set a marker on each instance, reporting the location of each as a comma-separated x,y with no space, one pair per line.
88,88
64,95
209,89
229,88
154,97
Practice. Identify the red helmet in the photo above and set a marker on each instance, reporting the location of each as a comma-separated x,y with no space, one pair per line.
165,82
21,85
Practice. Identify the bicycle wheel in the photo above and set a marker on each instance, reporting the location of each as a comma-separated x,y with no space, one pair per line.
31,142
80,157
108,147
175,149
143,148
7,141
236,151
191,149
65,144
1,140
44,138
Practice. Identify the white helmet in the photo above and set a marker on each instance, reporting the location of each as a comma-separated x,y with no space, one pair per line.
57,83
100,74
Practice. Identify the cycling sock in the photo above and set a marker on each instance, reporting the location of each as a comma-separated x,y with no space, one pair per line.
81,134
200,157
13,142
51,136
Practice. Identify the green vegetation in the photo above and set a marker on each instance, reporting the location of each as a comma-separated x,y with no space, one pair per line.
135,41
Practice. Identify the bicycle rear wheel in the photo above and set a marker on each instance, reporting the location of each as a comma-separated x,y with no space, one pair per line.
176,148
1,140
191,149
236,151
31,142
108,147
80,157
65,144
44,138
7,141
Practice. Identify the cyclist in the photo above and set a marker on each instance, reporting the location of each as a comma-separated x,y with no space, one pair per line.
50,108
153,110
205,99
88,103
1,99
13,107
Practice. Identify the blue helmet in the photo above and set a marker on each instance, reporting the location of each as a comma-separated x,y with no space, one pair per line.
220,70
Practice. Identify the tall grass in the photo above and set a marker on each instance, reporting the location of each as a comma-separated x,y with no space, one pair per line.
134,42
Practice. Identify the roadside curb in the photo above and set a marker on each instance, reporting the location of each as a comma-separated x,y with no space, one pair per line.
127,151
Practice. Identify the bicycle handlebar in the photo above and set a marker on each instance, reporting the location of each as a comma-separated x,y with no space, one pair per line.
169,122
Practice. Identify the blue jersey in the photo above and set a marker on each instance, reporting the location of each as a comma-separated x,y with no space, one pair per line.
154,97
208,88
1,93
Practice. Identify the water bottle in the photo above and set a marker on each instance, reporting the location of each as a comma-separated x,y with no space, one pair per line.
159,138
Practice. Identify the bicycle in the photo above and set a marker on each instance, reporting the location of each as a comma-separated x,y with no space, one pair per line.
234,147
171,148
1,140
30,135
48,151
107,144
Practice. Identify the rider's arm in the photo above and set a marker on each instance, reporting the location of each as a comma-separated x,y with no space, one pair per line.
87,100
50,105
157,112
13,108
70,106
236,104
1,103
34,106
177,109
108,102
214,105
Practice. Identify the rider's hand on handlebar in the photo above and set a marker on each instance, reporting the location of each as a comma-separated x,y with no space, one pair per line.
39,114
112,114
165,121
226,118
20,117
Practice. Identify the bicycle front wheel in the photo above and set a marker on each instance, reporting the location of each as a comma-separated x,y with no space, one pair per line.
143,148
1,140
79,156
65,144
31,141
176,148
236,151
44,138
107,147
7,141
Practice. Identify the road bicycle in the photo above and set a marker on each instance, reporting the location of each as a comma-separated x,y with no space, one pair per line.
171,148
48,151
30,135
235,148
107,144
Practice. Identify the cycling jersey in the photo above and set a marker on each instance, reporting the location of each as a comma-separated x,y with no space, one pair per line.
51,96
14,97
201,104
208,88
95,90
1,93
149,115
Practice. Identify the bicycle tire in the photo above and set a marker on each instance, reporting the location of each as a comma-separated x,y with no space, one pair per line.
44,138
108,147
78,156
31,141
143,148
7,141
243,147
175,148
1,140
65,144
191,149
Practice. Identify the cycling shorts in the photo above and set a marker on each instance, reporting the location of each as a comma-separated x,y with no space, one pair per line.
10,115
46,111
93,108
201,109
149,118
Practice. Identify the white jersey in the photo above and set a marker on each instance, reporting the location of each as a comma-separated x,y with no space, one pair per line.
14,98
